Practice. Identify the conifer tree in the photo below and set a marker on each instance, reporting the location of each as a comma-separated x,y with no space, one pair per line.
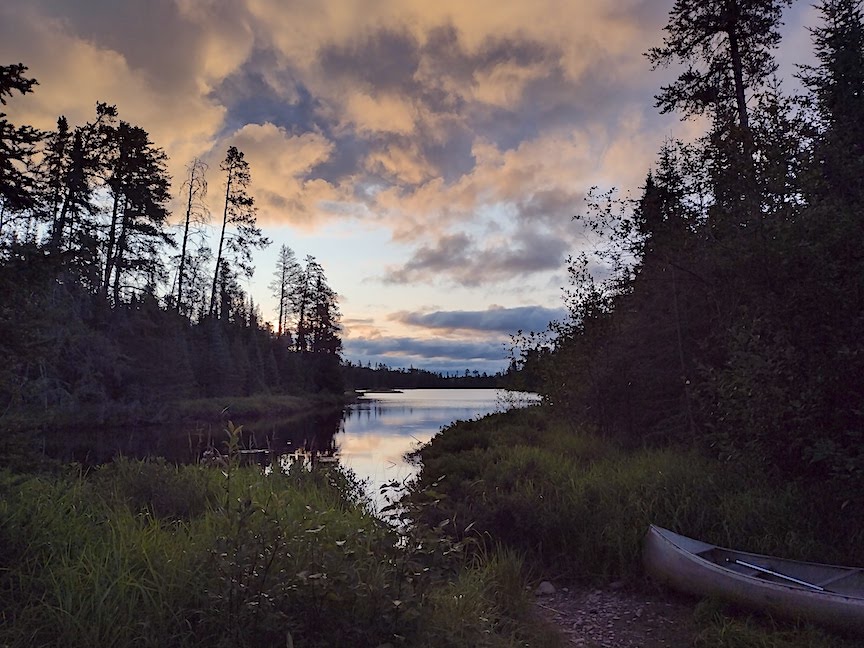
725,45
239,214
74,228
837,87
17,146
324,315
140,188
286,276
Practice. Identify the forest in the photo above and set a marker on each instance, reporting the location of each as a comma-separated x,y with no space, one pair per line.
106,301
728,313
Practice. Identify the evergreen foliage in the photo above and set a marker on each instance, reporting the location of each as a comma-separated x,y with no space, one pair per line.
17,146
731,319
88,316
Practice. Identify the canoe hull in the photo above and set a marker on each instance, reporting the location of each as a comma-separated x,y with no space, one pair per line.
672,559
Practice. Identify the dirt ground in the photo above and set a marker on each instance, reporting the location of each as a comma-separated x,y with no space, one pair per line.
618,617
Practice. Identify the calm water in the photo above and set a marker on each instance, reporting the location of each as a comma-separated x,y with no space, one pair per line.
371,436
378,430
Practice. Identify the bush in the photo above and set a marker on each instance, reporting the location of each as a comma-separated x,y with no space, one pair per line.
578,506
148,554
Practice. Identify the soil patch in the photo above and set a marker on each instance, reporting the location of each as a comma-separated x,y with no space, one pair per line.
618,617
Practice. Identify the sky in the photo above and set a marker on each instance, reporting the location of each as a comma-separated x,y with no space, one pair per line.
430,155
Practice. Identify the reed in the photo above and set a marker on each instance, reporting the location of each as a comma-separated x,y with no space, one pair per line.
581,505
576,507
151,554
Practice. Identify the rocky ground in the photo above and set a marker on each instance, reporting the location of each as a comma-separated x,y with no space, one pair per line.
617,617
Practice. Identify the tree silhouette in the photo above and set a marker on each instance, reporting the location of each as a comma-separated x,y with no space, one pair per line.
17,146
837,87
239,213
725,45
195,188
286,276
140,189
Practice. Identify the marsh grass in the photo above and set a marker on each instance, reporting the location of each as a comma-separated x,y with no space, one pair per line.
577,507
248,408
723,626
570,500
151,554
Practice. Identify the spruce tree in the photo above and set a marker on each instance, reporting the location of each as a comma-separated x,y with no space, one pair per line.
17,146
836,85
239,215
725,45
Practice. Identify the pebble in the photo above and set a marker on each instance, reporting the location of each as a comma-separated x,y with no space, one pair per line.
545,589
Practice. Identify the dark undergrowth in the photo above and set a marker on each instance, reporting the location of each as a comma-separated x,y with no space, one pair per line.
577,507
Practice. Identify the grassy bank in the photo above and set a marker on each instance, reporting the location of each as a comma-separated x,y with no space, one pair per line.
576,507
149,554
247,408
27,442
217,409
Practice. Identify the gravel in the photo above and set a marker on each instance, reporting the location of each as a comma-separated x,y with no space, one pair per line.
618,617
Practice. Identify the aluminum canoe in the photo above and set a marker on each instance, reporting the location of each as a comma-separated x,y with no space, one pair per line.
829,595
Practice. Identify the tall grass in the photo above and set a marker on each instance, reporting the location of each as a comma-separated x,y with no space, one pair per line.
149,554
580,506
577,508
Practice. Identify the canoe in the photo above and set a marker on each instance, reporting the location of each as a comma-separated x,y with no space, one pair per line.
827,595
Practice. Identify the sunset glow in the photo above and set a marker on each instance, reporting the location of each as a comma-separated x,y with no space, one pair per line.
430,155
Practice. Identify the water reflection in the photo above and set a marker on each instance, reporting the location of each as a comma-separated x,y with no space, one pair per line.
371,436
381,428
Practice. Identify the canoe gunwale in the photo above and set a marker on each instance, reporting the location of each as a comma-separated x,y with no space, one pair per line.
675,564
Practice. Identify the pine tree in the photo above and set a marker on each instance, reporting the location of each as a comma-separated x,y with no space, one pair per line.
74,228
140,188
725,45
17,146
239,213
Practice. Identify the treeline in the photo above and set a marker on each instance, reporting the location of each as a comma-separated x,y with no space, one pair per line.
381,376
732,319
104,301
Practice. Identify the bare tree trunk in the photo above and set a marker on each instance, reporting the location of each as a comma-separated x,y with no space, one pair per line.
221,243
183,248
195,187
118,257
282,301
109,248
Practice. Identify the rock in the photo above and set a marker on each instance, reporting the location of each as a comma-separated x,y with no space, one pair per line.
545,589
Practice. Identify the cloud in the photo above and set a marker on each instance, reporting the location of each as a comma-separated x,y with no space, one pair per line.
407,95
445,355
495,319
469,131
280,163
152,61
399,347
462,260
445,340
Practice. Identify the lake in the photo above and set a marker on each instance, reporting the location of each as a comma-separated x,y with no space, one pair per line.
370,436
380,428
